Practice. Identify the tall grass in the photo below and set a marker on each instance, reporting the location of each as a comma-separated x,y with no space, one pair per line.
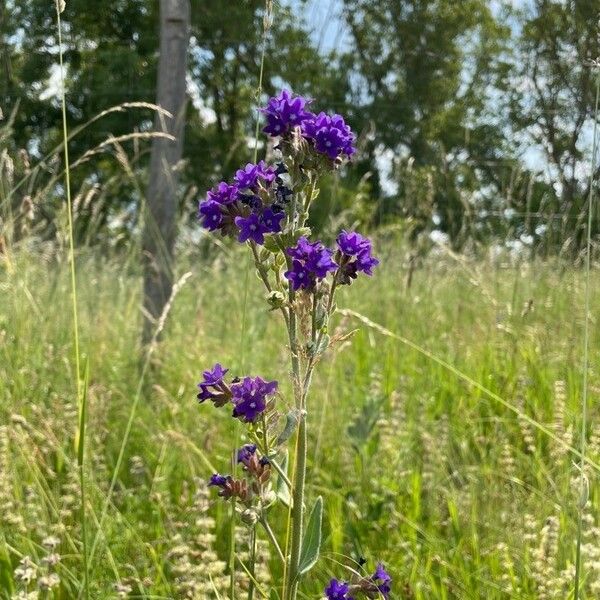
442,489
81,398
583,484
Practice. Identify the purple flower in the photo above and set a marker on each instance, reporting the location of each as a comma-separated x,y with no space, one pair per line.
338,590
311,261
272,220
355,255
255,225
251,228
284,112
245,453
223,193
330,134
250,397
212,387
352,243
249,176
215,375
382,580
218,480
209,212
300,276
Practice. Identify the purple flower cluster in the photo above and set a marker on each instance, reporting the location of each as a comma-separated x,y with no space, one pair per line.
354,255
256,225
211,211
249,396
212,387
239,209
218,480
245,453
310,261
382,580
375,586
338,590
329,134
284,112
250,176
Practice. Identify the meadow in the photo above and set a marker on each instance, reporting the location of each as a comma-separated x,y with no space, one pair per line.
442,433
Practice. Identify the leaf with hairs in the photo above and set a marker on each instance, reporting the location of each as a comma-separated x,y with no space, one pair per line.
311,544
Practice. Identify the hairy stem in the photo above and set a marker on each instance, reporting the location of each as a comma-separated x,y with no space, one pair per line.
297,509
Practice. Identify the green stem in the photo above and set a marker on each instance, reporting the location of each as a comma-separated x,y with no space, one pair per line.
300,462
297,510
86,588
272,538
281,473
252,563
265,278
232,552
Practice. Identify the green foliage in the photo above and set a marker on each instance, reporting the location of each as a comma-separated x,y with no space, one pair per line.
311,543
427,71
554,60
111,58
456,493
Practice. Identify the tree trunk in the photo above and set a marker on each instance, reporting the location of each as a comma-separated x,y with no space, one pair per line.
161,209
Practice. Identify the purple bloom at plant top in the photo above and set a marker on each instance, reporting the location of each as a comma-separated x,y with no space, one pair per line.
338,590
250,397
249,176
311,261
382,580
245,453
284,112
355,255
331,135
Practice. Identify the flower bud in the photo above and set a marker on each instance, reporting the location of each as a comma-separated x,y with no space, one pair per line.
250,516
276,299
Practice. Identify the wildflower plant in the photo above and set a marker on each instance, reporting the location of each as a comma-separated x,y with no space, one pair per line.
266,207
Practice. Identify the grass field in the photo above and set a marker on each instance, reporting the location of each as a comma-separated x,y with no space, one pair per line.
462,492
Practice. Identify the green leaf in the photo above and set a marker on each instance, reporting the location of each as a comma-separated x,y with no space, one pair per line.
323,344
271,244
311,544
82,414
291,422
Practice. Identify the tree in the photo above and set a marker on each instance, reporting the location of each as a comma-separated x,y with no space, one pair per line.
552,104
160,216
427,70
111,57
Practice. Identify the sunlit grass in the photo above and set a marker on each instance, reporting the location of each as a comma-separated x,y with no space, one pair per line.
458,495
